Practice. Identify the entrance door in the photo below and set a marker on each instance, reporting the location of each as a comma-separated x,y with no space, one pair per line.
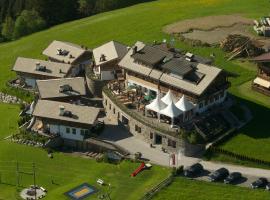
158,139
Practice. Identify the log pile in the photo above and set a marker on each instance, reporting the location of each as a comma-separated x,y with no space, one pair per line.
240,46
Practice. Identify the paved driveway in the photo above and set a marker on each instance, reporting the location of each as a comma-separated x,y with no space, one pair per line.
120,136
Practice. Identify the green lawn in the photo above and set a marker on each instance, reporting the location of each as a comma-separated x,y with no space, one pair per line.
140,22
253,140
65,171
184,189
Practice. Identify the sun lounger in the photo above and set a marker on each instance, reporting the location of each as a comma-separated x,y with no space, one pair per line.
100,182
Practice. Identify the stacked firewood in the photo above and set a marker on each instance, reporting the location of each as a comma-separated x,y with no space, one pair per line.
240,46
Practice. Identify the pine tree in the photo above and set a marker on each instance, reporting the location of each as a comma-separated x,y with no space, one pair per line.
8,28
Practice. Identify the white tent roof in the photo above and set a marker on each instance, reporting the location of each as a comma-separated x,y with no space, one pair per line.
184,104
156,105
171,111
168,98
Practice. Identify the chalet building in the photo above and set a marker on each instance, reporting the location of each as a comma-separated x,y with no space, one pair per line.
262,82
106,58
71,122
29,70
155,71
164,93
65,89
64,52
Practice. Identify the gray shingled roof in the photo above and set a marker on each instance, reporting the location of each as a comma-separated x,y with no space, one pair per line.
111,50
73,51
51,88
51,110
53,69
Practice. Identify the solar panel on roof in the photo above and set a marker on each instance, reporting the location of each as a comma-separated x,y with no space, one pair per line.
150,56
177,66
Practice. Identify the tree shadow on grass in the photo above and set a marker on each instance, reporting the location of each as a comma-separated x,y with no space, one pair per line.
259,126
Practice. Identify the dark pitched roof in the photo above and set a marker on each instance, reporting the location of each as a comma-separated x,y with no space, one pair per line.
178,66
150,55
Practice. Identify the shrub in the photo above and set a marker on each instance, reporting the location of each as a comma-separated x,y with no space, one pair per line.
180,170
106,158
173,172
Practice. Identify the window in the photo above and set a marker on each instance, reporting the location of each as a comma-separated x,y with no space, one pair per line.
67,130
151,135
138,129
106,102
82,132
113,110
171,143
110,106
222,94
74,131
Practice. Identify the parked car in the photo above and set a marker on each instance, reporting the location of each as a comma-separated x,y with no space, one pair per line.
233,177
260,183
193,170
219,174
267,186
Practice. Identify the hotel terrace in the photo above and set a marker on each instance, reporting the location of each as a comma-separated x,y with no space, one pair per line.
163,92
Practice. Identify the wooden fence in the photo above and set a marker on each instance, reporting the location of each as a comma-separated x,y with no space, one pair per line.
157,188
219,150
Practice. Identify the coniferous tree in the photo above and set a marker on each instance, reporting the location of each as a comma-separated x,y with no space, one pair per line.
8,28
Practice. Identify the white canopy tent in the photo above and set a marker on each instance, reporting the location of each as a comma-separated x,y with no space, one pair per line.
156,105
168,98
171,111
184,104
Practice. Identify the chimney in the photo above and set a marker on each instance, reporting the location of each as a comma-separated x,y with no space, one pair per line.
135,49
61,110
37,66
102,58
59,51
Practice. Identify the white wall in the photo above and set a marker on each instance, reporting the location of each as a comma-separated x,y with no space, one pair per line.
61,129
30,82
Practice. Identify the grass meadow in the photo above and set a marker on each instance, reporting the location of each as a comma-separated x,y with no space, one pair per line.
140,22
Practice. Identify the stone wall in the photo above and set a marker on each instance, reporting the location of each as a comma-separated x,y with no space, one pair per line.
94,86
139,129
5,98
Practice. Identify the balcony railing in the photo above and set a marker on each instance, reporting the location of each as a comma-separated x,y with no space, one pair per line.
138,117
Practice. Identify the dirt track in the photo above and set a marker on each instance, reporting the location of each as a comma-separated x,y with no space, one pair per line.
206,23
213,29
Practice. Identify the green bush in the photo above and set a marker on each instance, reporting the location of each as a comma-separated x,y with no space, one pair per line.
180,170
106,158
174,171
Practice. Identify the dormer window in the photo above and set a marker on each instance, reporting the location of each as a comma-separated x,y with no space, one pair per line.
102,58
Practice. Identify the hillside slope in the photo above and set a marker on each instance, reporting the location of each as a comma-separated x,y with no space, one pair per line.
139,22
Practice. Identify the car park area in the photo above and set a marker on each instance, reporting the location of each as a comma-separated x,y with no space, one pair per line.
220,176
